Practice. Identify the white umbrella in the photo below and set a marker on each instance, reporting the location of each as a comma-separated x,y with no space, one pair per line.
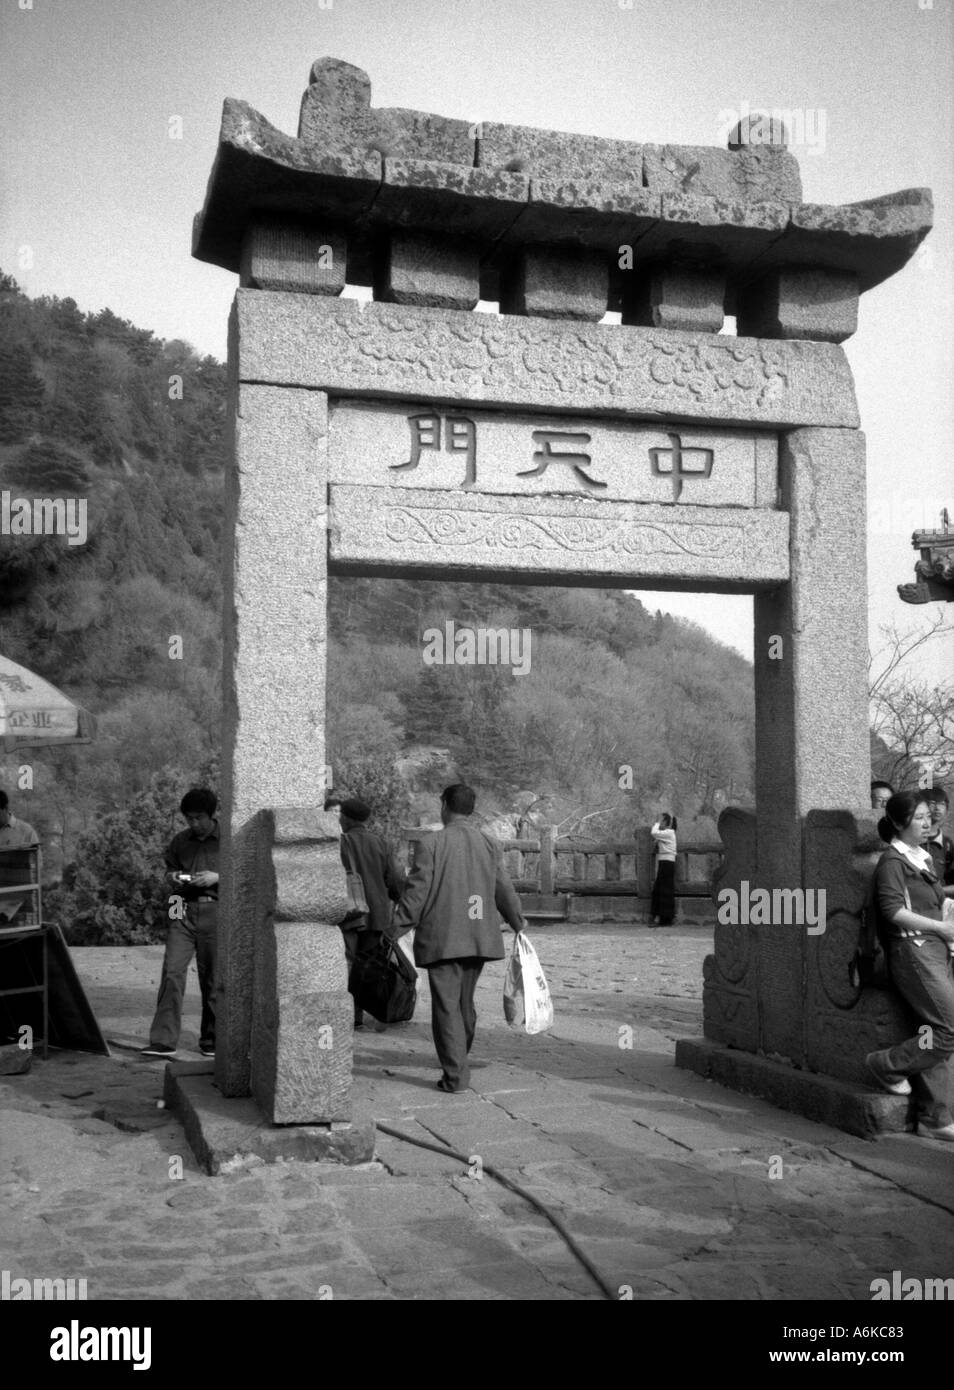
34,713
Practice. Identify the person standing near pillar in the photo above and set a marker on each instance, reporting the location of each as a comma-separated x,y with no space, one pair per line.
365,852
453,896
192,861
910,900
663,904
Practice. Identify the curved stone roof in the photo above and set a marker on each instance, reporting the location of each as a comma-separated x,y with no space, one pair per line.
364,169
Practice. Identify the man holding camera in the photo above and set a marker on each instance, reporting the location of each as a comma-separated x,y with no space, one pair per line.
192,861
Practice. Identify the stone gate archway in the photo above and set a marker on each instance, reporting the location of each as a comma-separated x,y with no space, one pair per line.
411,435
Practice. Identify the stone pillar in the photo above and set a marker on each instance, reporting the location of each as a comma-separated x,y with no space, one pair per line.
273,746
644,862
810,698
547,859
302,1021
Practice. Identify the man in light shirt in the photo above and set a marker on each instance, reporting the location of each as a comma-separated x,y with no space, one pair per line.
14,833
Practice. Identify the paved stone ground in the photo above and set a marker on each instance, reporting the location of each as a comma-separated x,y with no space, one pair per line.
663,1178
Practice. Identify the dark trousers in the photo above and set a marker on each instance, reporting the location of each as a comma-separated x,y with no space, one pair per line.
663,904
356,942
922,976
195,935
453,1016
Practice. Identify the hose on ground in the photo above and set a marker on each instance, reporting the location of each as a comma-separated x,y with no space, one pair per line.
502,1178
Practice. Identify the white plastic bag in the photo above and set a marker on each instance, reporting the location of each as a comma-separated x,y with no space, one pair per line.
526,993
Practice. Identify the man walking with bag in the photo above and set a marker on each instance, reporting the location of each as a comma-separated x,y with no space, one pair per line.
453,896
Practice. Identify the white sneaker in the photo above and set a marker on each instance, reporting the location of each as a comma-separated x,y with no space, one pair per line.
943,1132
875,1064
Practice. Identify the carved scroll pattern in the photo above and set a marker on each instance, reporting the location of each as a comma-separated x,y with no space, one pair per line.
428,526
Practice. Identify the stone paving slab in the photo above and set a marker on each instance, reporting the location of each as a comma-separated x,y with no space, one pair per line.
663,1177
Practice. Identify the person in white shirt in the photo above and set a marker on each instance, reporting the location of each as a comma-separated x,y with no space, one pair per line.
663,904
14,834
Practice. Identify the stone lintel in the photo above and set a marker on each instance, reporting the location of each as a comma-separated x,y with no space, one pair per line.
457,534
837,1103
283,254
389,350
428,271
556,284
609,460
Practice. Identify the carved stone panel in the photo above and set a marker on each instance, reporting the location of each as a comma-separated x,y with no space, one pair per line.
420,445
394,350
458,533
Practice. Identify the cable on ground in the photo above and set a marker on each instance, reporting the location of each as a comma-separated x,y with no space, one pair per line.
502,1178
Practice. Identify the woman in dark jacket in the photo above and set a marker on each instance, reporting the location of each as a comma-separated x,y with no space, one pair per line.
910,901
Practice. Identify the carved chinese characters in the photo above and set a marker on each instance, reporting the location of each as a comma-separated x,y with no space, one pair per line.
408,446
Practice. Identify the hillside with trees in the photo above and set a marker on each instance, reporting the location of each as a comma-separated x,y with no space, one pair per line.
92,406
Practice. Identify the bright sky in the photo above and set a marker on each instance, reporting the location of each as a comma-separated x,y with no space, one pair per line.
96,199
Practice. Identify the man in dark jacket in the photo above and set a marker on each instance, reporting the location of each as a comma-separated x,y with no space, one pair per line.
366,853
453,895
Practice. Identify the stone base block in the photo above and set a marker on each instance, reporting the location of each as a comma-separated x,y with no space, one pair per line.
555,284
301,1057
224,1133
431,272
292,256
14,1059
851,1108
